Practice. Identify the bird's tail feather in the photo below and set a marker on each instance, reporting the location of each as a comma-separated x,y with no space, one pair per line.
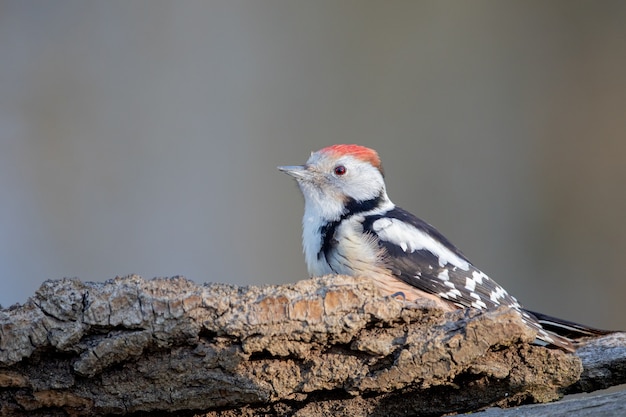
567,332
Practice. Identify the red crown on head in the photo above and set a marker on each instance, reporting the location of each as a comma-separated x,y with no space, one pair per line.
357,151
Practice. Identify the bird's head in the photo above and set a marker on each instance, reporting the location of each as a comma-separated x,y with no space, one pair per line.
339,176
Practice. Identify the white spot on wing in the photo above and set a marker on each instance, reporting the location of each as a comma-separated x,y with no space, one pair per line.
497,294
382,223
452,294
411,239
478,277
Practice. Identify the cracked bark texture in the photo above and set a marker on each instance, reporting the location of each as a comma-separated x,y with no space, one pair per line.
329,346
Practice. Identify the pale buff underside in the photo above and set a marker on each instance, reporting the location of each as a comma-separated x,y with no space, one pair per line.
358,254
390,285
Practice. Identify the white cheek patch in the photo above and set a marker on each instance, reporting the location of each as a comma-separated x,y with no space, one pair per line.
411,239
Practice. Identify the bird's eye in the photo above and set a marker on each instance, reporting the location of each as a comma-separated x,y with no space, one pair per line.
340,170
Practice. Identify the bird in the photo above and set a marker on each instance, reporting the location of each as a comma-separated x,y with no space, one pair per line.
351,227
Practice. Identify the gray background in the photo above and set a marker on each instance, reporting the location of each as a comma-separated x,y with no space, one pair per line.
143,136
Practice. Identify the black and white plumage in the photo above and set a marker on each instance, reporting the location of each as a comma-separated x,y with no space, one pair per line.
351,227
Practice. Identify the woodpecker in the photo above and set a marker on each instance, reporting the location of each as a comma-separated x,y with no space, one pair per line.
351,227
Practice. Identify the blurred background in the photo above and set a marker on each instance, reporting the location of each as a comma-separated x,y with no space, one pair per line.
143,136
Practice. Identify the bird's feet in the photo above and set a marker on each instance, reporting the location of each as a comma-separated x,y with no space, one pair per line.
398,294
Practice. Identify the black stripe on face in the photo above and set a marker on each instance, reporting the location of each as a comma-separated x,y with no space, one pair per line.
352,207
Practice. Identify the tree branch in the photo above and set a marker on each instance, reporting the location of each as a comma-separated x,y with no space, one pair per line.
326,346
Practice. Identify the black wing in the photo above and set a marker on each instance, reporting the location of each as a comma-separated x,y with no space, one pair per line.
419,255
422,257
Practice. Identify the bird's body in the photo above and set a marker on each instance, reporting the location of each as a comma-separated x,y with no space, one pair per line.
351,227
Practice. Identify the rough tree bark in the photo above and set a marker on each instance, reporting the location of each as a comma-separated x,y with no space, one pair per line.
323,347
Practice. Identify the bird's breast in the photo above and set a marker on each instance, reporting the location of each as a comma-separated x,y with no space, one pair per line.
352,252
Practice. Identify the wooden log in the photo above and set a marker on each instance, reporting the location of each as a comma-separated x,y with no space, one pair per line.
319,347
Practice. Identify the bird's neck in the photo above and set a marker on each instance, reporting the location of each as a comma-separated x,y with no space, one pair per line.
319,223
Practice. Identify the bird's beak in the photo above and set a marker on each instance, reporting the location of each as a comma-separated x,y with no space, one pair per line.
299,172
